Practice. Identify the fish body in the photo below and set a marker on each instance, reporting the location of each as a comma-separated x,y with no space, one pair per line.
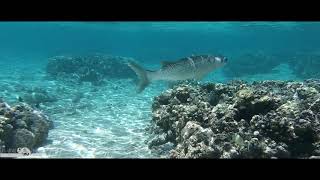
192,67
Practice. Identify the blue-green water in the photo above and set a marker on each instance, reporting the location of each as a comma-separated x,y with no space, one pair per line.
111,121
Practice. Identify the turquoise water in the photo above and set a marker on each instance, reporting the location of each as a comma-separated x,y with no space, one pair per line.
110,120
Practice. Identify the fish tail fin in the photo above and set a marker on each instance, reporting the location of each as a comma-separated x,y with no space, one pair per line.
142,74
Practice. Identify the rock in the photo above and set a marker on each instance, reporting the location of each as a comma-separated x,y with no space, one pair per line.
189,129
289,109
259,120
40,128
245,95
23,138
22,126
315,106
7,133
306,92
158,140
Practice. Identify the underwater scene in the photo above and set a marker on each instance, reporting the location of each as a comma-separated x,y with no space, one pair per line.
220,90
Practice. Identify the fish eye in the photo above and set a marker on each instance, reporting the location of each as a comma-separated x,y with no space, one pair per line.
225,60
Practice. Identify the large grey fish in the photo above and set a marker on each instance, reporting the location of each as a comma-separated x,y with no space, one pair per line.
193,67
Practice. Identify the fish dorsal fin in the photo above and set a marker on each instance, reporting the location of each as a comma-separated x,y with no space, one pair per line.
166,63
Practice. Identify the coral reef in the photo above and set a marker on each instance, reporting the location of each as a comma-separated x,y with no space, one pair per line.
21,126
251,64
90,68
267,119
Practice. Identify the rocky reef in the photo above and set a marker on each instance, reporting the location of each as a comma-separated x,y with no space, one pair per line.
267,119
21,126
89,68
